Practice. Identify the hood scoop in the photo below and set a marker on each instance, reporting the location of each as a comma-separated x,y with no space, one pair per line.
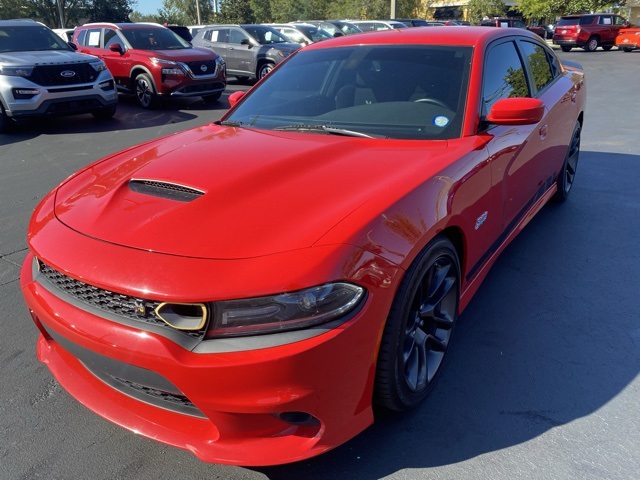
168,190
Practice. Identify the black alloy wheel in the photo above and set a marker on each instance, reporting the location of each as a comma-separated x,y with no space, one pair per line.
145,91
419,327
567,175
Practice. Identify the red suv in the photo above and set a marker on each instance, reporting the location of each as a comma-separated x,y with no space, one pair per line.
588,31
151,61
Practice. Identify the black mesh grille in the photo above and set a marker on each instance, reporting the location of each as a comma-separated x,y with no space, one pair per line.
158,395
53,75
125,306
168,190
196,68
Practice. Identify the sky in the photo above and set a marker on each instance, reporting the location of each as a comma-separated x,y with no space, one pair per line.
148,6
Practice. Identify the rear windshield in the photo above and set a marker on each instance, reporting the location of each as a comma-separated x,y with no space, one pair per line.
569,21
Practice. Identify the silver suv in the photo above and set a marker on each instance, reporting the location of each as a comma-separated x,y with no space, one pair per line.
41,75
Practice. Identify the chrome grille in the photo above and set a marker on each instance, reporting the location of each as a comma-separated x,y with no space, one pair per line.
126,306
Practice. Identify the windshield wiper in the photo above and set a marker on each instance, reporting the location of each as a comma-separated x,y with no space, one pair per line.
323,129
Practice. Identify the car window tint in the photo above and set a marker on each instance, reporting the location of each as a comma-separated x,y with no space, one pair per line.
111,38
81,37
405,91
569,21
519,24
605,20
587,20
237,36
538,61
503,77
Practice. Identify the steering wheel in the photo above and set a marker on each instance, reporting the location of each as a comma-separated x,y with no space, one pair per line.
433,101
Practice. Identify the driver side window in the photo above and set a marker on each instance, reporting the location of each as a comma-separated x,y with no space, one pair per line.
503,77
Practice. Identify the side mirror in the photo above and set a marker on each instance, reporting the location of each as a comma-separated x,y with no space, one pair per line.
116,47
516,111
338,34
246,41
73,45
235,98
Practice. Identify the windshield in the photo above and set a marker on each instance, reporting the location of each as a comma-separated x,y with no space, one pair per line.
154,39
30,38
265,35
315,34
390,91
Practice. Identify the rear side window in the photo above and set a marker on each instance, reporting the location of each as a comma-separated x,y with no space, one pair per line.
503,76
605,20
538,60
587,20
93,37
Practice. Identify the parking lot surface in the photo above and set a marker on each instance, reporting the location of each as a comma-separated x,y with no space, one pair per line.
542,379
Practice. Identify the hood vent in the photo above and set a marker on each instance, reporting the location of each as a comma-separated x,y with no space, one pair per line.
171,191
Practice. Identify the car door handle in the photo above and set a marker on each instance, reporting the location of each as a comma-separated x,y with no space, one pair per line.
544,130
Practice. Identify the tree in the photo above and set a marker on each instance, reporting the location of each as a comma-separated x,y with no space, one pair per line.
185,12
115,11
261,10
13,9
235,11
478,9
555,8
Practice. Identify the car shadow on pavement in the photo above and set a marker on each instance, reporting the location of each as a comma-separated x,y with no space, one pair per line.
550,337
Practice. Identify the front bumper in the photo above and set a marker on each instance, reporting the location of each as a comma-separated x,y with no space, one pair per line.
57,100
262,405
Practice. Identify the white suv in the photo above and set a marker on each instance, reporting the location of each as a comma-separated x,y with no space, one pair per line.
41,75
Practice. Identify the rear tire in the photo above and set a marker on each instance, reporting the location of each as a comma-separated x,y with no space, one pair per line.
419,327
592,44
627,49
264,69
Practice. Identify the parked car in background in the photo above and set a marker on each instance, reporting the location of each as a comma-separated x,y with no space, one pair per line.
302,33
335,28
64,33
588,31
152,62
250,51
513,23
249,289
418,22
549,29
182,31
41,75
628,39
456,23
377,25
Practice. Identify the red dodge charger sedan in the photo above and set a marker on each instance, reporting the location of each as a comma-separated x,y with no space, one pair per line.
248,289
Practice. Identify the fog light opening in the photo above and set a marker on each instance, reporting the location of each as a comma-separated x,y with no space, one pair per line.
299,418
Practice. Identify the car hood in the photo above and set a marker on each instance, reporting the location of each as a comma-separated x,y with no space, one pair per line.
181,55
261,192
48,57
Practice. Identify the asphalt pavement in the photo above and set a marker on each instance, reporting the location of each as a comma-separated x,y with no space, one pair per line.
542,378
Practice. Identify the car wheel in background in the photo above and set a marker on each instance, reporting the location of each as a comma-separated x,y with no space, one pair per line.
569,167
105,113
627,49
419,327
591,45
565,48
212,98
606,48
145,91
5,122
264,69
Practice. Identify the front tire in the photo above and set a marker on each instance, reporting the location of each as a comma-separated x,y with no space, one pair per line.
567,174
565,48
105,113
145,91
264,69
419,327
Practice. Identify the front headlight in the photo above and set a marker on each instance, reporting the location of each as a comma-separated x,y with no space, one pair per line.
98,66
287,311
169,67
21,71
